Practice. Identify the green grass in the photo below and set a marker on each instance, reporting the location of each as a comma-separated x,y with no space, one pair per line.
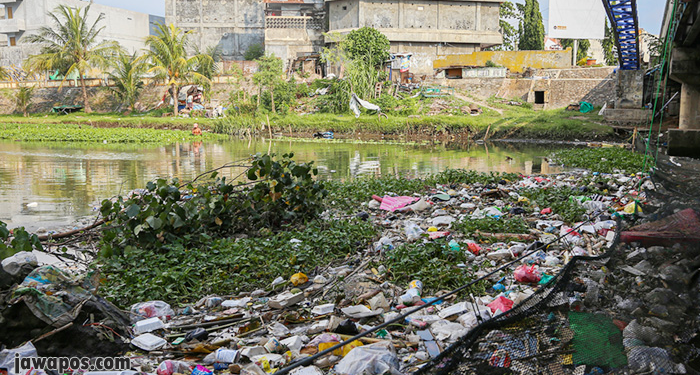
603,160
85,133
228,266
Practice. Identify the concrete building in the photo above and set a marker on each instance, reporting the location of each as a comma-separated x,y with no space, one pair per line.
234,25
424,28
25,17
294,28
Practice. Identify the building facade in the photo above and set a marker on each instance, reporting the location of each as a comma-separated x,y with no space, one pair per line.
424,29
293,28
25,17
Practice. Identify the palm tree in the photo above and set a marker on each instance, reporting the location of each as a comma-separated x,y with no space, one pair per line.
71,46
23,98
168,59
128,78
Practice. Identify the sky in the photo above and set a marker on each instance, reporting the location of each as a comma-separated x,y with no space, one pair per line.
650,11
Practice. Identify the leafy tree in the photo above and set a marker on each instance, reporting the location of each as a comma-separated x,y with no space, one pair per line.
583,46
128,78
532,30
367,43
71,45
608,44
169,62
269,76
508,12
254,52
23,99
210,56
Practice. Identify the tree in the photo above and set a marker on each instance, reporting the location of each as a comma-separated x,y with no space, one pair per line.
608,45
71,46
367,43
23,99
169,62
208,59
254,52
508,13
583,46
532,30
269,75
128,78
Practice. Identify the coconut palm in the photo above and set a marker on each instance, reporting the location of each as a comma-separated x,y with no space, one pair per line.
168,60
128,78
71,46
23,99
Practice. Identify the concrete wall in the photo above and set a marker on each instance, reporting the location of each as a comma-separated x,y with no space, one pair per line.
560,91
234,25
515,61
126,27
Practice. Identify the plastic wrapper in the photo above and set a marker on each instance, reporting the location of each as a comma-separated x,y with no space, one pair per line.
170,367
7,357
375,359
150,309
299,279
501,304
527,274
413,231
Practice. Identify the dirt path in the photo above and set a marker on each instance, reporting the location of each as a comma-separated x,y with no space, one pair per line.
479,102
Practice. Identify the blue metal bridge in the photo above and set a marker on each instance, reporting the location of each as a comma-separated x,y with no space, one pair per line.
623,20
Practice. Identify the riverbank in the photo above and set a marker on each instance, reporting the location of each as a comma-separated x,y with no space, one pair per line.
437,118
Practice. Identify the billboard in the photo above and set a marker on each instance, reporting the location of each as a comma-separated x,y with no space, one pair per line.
576,19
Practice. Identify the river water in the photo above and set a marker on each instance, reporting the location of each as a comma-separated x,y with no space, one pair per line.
51,185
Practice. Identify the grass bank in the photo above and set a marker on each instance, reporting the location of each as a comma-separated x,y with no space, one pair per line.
603,160
33,132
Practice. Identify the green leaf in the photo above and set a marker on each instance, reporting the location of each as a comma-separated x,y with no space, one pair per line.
133,210
251,174
154,222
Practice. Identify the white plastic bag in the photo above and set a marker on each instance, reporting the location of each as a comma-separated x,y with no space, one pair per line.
151,309
413,231
13,264
375,359
7,356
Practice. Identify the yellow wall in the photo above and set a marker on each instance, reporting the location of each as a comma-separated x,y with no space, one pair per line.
515,61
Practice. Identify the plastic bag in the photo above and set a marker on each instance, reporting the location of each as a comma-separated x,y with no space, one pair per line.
13,264
525,274
473,247
501,304
7,356
170,367
298,279
413,231
150,309
375,359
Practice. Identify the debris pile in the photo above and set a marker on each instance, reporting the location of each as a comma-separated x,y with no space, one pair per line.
294,319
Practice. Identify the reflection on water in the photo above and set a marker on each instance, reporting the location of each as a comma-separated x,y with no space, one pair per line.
51,184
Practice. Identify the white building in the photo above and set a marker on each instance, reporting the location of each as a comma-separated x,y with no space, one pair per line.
20,18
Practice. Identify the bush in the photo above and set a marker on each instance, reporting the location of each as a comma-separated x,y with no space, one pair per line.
279,192
17,240
254,52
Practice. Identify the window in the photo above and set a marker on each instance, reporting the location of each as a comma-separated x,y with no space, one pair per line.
539,97
13,41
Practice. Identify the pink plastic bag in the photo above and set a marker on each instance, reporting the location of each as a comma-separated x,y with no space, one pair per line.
394,203
500,303
525,274
473,247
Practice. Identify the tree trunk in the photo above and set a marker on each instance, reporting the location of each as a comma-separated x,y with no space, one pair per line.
172,86
259,95
24,111
86,103
272,99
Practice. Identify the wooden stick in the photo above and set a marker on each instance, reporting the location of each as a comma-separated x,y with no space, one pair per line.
268,125
55,331
502,236
46,237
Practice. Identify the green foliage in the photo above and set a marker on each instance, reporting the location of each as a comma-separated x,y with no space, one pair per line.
281,192
207,66
254,52
227,266
491,64
17,240
367,44
269,76
583,46
86,133
402,107
168,61
432,263
508,14
603,160
71,45
532,30
23,99
558,200
608,45
128,78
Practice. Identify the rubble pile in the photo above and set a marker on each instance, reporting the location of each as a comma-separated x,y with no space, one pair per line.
263,331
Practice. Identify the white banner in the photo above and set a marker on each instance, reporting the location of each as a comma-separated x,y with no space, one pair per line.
576,19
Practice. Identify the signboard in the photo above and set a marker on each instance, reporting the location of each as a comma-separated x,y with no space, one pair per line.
576,19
